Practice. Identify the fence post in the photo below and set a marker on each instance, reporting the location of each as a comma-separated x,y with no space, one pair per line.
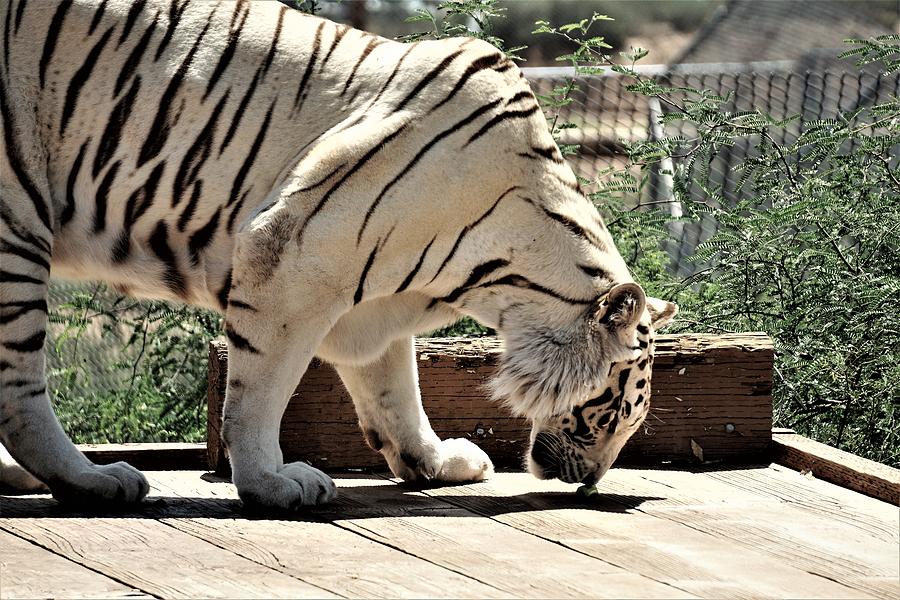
664,181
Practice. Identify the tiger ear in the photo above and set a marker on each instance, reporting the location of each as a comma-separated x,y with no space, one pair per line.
623,306
661,312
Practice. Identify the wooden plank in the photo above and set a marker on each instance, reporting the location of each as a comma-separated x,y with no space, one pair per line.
839,467
616,528
29,571
781,484
217,380
845,551
715,390
518,564
146,554
400,532
316,546
732,533
149,456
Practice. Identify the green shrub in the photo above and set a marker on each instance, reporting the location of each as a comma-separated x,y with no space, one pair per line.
129,371
809,252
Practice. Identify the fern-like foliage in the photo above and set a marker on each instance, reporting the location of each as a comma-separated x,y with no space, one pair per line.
127,370
809,251
462,18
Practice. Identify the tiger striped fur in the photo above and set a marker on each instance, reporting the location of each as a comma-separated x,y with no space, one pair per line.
331,192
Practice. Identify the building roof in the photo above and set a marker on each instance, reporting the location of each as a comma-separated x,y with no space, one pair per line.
769,30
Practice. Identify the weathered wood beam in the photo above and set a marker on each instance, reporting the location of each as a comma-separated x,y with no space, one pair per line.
149,456
837,466
711,402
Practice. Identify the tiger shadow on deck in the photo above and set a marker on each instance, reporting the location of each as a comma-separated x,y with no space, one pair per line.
363,502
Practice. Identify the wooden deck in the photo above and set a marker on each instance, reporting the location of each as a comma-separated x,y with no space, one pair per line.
653,533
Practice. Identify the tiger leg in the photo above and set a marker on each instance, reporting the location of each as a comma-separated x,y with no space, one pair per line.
263,369
389,406
28,427
273,329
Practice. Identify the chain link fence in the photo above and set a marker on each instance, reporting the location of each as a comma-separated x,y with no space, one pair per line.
84,358
100,342
607,115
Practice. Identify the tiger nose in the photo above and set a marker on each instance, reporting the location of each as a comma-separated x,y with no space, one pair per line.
542,452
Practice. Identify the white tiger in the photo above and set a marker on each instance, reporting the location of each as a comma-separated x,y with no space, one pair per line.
333,193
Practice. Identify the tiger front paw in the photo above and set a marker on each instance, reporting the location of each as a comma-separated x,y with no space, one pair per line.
295,486
117,483
446,460
464,461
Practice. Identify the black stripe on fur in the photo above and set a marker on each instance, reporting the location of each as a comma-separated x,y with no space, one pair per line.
112,133
412,274
136,7
7,247
129,67
138,203
163,121
251,155
468,228
175,12
447,132
159,244
102,197
41,206
33,343
52,37
98,15
428,79
238,341
479,64
80,78
201,238
20,308
196,155
502,117
301,89
241,11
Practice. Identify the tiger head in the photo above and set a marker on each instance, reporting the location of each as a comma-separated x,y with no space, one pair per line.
580,445
587,390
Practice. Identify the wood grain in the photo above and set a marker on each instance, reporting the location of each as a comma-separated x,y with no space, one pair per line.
29,571
314,545
715,390
839,467
710,533
501,556
702,536
859,551
154,558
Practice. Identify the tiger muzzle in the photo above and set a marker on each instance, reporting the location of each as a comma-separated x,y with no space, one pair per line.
546,452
